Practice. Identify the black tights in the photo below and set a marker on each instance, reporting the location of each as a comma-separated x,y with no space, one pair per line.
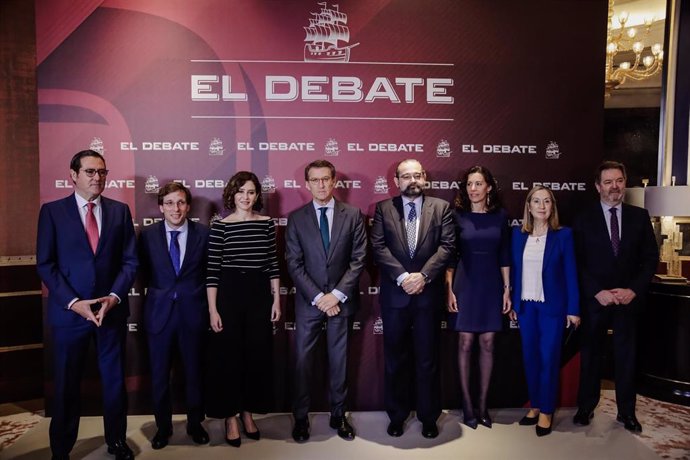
486,363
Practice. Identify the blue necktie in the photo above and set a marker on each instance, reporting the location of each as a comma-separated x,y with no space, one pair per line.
175,250
412,229
323,226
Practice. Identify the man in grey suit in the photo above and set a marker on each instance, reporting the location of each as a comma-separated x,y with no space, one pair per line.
325,248
413,238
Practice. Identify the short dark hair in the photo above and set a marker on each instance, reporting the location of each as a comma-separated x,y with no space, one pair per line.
609,164
408,160
319,164
75,163
493,200
172,187
235,183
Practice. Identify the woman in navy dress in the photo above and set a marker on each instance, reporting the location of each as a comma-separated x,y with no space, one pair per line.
479,285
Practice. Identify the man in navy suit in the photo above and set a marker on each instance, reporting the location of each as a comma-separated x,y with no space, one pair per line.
173,261
86,257
413,238
617,257
325,248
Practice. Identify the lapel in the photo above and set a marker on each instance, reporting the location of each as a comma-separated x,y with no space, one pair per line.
192,242
72,211
337,226
549,249
627,222
602,229
424,221
313,224
398,214
162,243
106,217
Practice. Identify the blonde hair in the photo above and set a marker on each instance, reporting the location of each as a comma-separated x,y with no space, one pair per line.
528,220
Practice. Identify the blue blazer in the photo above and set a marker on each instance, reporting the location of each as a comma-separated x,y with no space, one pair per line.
69,268
164,287
559,273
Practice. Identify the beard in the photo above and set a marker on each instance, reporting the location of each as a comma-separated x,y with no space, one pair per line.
412,191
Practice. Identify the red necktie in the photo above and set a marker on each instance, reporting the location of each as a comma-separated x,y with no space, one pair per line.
91,227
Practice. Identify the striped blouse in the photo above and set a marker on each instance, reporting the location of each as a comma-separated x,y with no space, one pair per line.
244,245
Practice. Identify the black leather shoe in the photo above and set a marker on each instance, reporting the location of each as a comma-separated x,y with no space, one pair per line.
485,419
300,432
582,417
527,421
541,431
630,422
121,450
395,429
197,432
161,438
255,435
470,421
345,430
429,430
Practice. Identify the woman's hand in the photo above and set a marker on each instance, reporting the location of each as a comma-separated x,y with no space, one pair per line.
452,302
216,322
507,303
512,315
572,319
275,311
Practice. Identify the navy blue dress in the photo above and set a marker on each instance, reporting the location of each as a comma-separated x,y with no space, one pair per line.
483,247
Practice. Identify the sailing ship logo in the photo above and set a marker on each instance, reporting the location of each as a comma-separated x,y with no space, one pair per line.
97,145
216,147
443,149
552,151
378,326
381,185
331,148
151,185
326,32
268,185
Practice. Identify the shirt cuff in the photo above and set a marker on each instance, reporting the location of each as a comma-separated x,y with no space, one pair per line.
341,297
119,300
72,302
401,278
316,299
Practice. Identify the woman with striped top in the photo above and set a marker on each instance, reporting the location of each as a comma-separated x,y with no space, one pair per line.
242,285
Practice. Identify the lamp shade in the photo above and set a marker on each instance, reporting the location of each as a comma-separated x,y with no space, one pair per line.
635,196
668,201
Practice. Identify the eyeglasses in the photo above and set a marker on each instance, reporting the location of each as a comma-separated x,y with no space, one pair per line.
415,176
319,180
92,172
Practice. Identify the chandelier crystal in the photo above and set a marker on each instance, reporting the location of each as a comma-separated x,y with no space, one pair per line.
628,40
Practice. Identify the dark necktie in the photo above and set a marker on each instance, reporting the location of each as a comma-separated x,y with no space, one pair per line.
323,226
175,250
412,229
91,227
615,233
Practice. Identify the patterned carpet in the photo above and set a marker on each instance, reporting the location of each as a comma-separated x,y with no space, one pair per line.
666,427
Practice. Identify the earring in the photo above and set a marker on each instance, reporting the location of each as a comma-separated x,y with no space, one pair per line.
488,200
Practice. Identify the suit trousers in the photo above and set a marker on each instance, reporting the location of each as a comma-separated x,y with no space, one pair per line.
411,347
541,350
240,365
71,345
595,323
176,334
309,329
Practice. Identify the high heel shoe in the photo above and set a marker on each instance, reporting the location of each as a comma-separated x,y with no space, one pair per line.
469,419
255,435
234,442
528,421
485,419
543,431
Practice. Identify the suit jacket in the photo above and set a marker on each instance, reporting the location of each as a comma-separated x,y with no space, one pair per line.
435,246
638,254
69,268
312,270
559,273
187,290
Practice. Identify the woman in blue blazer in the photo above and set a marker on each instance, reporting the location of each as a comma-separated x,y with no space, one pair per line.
545,298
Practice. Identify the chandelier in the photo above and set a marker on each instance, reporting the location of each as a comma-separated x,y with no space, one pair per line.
627,40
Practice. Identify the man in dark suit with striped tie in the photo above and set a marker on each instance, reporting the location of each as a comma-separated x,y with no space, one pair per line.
173,269
86,256
617,257
325,248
